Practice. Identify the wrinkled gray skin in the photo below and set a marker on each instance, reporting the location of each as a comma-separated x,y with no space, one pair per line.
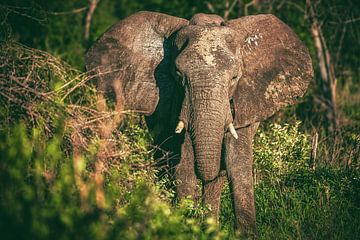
207,73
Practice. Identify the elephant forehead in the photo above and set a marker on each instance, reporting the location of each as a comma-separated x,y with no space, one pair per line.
206,19
197,31
212,44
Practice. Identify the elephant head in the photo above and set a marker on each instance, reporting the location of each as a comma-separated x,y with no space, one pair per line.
230,74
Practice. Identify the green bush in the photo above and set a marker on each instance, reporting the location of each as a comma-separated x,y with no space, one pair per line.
280,150
49,189
293,200
40,198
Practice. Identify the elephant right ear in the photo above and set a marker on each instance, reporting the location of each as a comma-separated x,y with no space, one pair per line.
276,68
127,57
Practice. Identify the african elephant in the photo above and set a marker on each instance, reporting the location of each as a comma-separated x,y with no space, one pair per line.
204,86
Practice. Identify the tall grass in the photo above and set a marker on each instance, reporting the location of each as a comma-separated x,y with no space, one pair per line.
293,200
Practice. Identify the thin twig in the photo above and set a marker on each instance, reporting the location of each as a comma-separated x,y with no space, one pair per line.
229,10
352,20
74,11
314,146
340,44
210,7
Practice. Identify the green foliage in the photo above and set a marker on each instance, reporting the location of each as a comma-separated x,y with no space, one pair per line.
310,205
36,187
151,218
292,200
279,151
49,190
40,198
36,86
40,179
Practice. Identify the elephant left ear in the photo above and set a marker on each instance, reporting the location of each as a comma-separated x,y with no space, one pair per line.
276,68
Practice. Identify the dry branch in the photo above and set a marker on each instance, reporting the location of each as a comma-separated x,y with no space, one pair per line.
89,15
229,9
74,11
314,145
40,89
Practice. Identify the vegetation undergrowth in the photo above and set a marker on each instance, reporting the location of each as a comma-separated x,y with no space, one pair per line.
294,200
49,190
50,184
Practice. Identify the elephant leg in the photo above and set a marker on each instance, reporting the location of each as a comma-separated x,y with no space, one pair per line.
212,193
239,163
185,171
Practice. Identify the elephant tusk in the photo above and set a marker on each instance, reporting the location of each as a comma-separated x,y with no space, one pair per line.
233,131
179,127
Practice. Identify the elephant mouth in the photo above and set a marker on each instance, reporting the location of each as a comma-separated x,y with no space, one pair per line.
207,125
183,122
181,125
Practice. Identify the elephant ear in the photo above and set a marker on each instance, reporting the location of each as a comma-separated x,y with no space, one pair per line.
131,59
276,68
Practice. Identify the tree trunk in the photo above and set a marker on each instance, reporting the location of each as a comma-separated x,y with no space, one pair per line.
327,73
88,18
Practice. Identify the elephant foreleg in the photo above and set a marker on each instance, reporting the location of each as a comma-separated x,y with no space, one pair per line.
185,171
239,162
212,193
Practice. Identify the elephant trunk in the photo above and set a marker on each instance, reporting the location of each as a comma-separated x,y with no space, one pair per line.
208,122
207,149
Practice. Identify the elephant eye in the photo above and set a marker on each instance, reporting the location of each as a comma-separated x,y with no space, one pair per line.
232,85
234,79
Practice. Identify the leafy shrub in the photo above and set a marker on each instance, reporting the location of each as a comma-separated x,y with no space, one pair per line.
50,187
292,199
40,198
280,150
39,89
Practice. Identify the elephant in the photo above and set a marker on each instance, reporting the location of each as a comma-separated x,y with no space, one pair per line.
204,85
